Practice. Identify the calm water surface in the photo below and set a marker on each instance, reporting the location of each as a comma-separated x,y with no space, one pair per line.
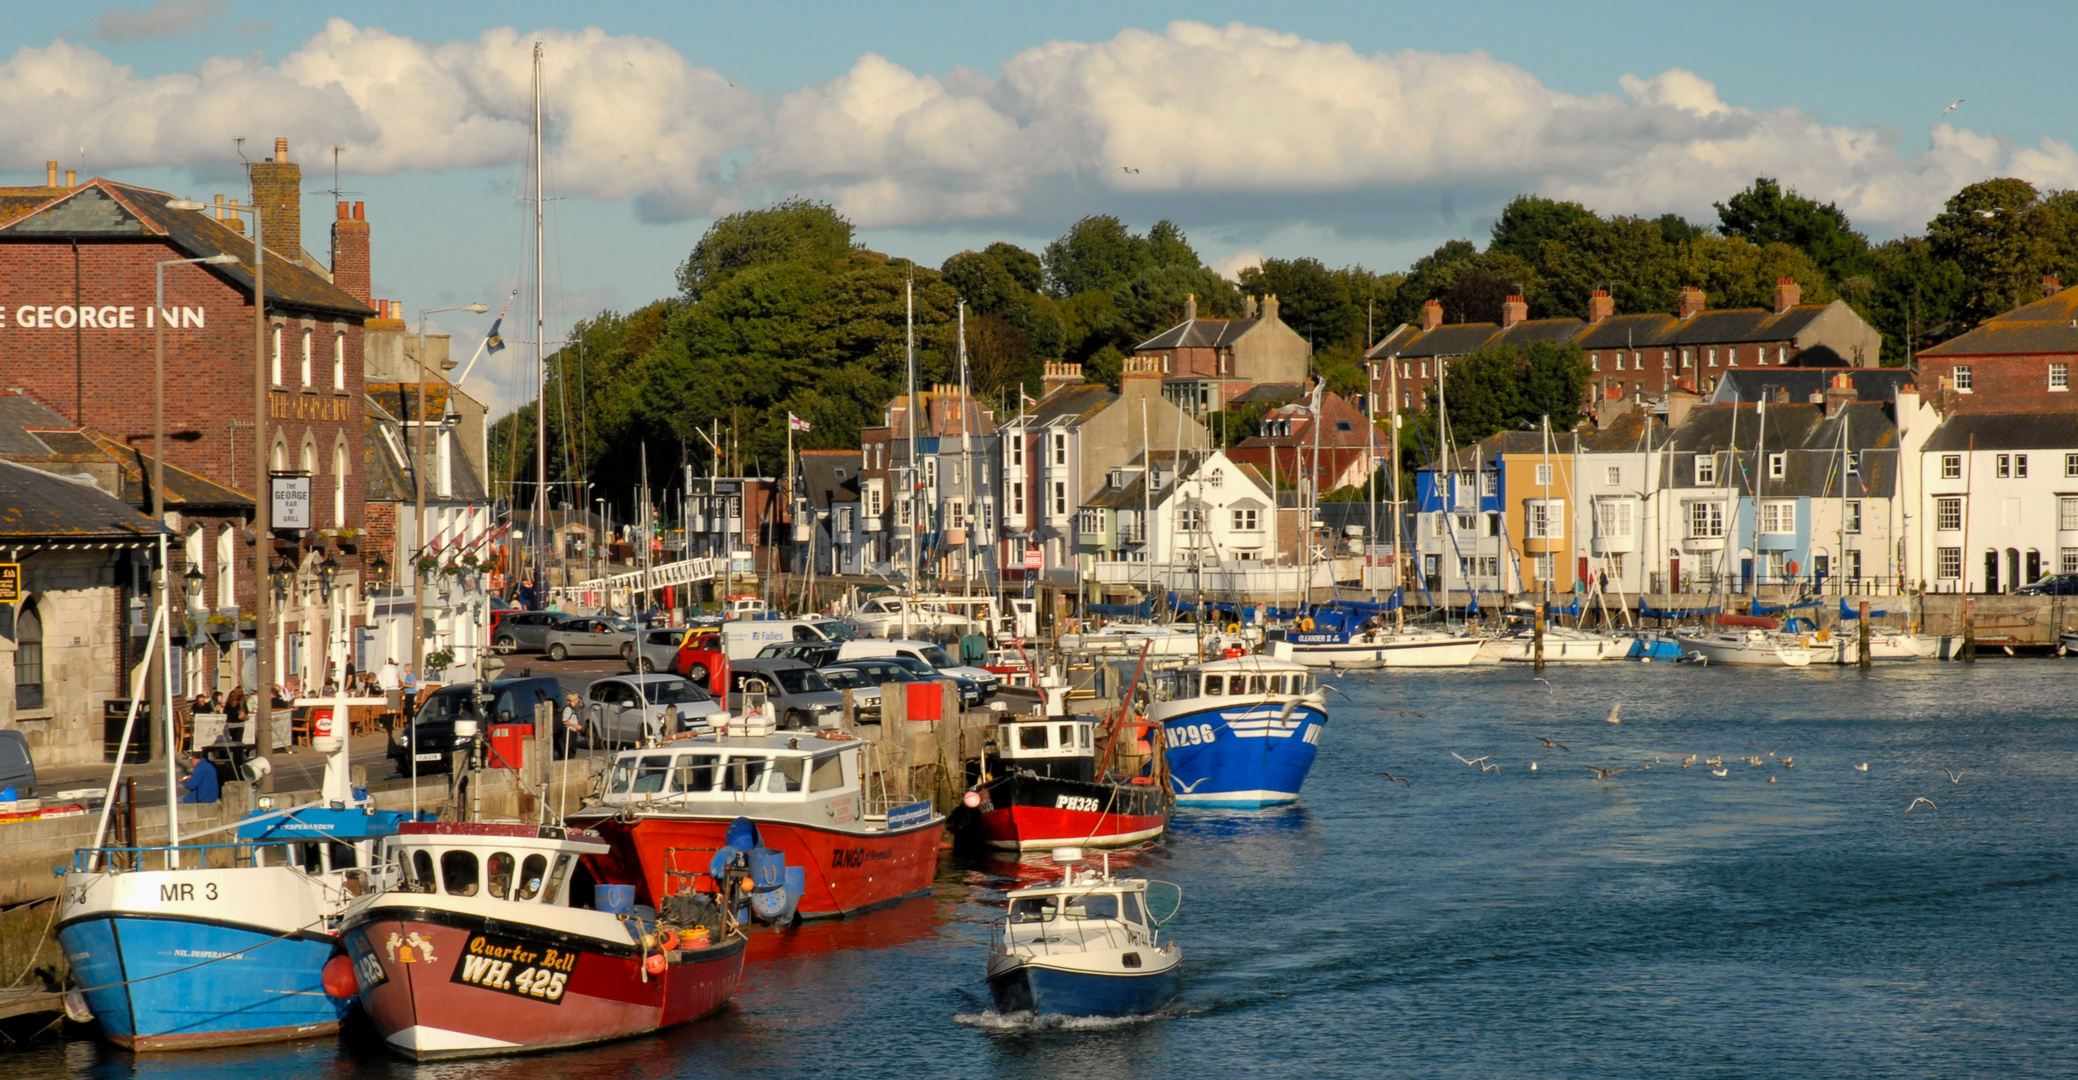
1664,922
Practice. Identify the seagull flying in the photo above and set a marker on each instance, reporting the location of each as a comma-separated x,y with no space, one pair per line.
1612,717
1127,168
1954,777
1550,745
1489,768
1474,762
1604,774
1765,750
1400,779
1547,686
1921,799
1952,106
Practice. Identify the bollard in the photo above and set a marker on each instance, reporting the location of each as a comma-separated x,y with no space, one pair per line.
1861,637
1537,639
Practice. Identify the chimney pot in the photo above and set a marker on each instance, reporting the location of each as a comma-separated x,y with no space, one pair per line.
71,178
1431,315
50,174
281,150
1692,301
360,212
1513,311
344,212
1788,294
2051,285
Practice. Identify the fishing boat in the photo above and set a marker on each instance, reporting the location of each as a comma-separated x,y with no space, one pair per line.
1240,732
501,938
1752,646
186,946
1085,946
1039,786
811,795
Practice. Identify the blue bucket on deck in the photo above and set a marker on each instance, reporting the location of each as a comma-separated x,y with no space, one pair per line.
613,899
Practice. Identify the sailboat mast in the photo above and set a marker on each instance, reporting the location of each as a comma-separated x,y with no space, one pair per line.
968,504
540,362
1392,402
916,518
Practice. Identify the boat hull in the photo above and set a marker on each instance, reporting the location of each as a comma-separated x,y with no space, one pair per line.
1036,988
1382,650
153,985
432,986
1745,653
1558,649
1241,754
847,871
1024,811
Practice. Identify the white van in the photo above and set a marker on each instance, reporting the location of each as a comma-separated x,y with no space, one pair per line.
866,648
741,640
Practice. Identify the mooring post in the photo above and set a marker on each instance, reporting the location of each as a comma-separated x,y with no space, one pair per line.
1861,636
1537,638
1969,631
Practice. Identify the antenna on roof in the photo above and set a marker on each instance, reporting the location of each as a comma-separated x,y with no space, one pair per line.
238,142
335,190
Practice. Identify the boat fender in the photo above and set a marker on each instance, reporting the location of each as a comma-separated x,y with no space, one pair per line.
971,800
654,963
338,977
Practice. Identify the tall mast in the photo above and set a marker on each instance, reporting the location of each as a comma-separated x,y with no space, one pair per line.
967,500
916,517
1392,403
540,362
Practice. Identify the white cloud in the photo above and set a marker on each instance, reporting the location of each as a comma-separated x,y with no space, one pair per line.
1232,116
1230,266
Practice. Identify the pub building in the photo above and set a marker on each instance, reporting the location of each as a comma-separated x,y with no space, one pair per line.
77,329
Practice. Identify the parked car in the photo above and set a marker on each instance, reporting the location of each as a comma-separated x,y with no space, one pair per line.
656,649
865,693
984,680
800,696
701,658
813,653
17,766
2052,585
523,631
430,737
590,635
625,709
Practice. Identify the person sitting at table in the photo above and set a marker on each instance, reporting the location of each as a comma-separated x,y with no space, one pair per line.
201,784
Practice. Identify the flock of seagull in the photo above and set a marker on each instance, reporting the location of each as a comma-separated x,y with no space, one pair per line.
1716,764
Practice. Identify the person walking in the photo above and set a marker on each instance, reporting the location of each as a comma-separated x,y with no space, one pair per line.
572,720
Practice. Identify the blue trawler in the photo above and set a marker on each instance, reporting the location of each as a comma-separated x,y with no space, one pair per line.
1240,732
1088,946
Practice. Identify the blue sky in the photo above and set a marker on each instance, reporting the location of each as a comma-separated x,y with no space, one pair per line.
1355,132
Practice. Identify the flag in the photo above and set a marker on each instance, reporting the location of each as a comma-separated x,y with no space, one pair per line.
494,341
796,422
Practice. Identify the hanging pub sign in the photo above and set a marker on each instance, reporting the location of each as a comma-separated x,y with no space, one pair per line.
10,583
290,506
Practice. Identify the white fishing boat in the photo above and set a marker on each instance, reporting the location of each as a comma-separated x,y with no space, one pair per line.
1562,645
1129,638
1749,647
1086,946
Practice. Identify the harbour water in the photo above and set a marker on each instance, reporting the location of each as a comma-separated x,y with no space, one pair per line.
1662,922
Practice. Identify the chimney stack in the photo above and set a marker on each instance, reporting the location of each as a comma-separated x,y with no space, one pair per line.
50,174
1691,301
1431,315
1599,306
1787,294
1190,308
1514,310
278,192
2051,285
1840,392
350,257
1059,375
1248,307
1270,308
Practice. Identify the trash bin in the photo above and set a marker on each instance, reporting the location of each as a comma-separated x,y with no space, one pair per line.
114,713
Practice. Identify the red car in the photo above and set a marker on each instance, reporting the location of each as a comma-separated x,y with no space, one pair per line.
701,659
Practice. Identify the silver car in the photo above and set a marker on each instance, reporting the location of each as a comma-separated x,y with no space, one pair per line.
656,649
590,635
626,709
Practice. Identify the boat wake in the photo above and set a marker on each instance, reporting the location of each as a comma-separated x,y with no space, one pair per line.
991,1020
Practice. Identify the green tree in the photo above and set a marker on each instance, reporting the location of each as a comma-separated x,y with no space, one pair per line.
1096,254
1766,214
1998,234
1529,220
796,230
1734,273
1499,388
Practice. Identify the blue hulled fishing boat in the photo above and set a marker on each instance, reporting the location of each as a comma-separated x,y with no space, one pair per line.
1088,946
1240,732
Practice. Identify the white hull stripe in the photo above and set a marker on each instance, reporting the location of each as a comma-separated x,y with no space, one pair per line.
433,1039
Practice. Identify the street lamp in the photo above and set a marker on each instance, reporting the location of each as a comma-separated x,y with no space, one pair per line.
326,571
191,587
418,488
262,511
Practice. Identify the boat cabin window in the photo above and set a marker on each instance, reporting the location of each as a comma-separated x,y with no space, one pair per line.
1031,737
744,774
530,877
555,880
1131,902
1032,909
422,871
500,866
827,774
694,772
458,872
787,773
1088,736
1215,685
1067,738
651,774
1255,684
1092,906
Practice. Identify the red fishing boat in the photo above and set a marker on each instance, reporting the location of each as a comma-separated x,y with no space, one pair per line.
666,809
498,939
1040,788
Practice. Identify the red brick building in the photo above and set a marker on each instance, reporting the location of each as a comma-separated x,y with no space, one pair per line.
2019,362
77,332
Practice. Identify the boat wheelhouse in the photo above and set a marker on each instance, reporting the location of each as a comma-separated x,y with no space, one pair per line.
813,797
1240,732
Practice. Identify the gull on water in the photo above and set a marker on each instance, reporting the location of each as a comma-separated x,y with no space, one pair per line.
1863,767
1719,773
1688,761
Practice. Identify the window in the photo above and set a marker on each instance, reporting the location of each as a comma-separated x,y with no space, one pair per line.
1245,519
1616,564
458,872
1060,498
1732,357
2067,513
1952,466
955,514
500,866
1687,359
1541,568
1851,516
1060,448
1713,356
873,498
1613,518
1017,499
2059,375
2071,464
1190,519
1948,513
2003,468
1778,517
931,475
1851,564
226,567
1778,466
28,658
1771,567
1962,378
1594,361
306,356
339,484
277,355
1948,563
1619,361
338,359
1706,469
1613,475
1854,463
1092,521
2020,466
1543,476
1017,449
1781,356
1706,520
1545,519
2067,560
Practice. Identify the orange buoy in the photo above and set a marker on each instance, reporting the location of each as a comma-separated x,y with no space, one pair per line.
668,940
654,963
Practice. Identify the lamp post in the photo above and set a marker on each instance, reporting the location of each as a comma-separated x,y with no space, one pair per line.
418,489
263,532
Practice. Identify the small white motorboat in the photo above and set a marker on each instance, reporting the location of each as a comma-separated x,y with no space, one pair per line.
1088,946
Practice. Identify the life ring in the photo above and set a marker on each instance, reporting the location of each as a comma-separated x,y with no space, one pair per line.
1306,624
1233,628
